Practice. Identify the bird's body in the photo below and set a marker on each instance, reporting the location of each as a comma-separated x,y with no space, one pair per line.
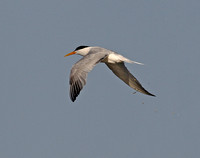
93,56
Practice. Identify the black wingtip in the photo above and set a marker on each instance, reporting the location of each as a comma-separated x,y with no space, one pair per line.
150,94
73,98
147,93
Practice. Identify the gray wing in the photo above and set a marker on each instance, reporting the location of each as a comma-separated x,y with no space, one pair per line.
120,70
79,72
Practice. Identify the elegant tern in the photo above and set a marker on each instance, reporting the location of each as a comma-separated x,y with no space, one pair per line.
93,56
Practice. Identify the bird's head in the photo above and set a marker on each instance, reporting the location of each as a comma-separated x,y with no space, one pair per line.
81,50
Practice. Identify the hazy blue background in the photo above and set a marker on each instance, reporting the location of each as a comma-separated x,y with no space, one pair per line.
37,118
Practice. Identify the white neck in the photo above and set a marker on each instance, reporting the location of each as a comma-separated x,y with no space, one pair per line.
84,51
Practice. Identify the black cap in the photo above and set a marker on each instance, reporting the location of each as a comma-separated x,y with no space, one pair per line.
80,47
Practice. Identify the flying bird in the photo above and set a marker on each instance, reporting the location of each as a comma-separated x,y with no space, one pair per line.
93,56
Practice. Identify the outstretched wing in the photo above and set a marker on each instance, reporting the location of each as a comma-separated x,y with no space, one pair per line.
80,71
120,70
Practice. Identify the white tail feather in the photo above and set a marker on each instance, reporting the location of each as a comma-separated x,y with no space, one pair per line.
122,58
135,62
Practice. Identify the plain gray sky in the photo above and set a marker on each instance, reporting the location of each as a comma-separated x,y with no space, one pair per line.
37,118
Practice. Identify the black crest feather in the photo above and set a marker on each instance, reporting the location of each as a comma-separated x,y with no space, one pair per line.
80,47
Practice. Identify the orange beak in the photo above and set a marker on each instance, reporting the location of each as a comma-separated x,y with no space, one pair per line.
70,54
